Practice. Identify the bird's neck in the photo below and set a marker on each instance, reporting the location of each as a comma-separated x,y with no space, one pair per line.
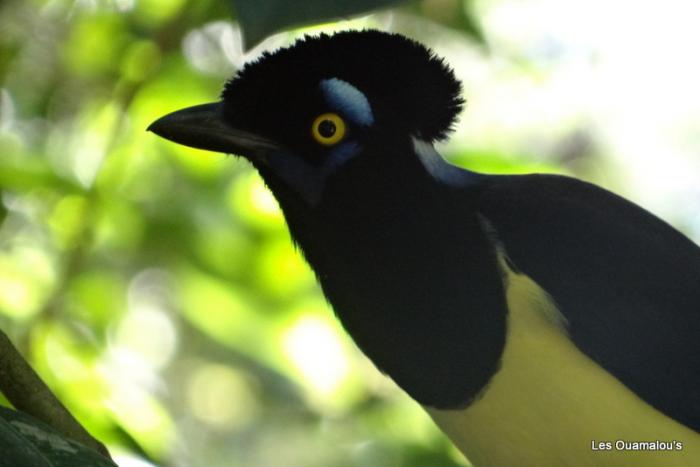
413,278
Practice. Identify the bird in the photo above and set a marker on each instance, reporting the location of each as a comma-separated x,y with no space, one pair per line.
539,319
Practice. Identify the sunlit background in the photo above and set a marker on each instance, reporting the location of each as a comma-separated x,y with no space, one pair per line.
155,288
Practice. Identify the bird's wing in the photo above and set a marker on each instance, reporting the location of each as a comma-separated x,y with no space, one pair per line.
627,283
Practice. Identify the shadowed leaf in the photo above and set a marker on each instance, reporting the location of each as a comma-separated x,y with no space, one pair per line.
260,18
26,441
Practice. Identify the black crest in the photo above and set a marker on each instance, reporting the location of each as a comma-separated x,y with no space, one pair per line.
409,88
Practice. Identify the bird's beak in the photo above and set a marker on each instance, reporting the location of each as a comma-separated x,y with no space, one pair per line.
204,127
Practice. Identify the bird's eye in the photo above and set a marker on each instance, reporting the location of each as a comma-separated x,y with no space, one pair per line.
328,129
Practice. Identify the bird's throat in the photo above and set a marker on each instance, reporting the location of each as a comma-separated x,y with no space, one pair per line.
419,295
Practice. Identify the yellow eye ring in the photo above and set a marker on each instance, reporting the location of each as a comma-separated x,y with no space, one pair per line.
328,129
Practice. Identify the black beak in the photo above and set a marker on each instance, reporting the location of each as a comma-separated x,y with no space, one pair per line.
204,127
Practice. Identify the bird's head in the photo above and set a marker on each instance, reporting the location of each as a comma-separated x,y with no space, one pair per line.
303,115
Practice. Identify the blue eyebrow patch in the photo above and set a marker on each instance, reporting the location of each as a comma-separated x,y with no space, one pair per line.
347,99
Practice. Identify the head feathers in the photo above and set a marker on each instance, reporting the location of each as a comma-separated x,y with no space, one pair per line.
409,88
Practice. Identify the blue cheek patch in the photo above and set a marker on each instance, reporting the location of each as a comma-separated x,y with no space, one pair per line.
341,154
306,179
348,100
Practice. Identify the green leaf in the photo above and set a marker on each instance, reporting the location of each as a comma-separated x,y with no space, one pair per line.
260,18
3,209
454,14
27,441
16,450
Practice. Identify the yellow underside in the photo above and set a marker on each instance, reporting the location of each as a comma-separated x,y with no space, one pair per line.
549,403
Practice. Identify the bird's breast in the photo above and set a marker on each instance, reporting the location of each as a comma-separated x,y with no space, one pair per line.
420,297
551,405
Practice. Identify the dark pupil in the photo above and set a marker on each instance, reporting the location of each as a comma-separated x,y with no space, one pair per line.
326,128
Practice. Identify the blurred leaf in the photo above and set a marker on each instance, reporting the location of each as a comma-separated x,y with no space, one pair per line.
141,59
260,18
96,297
3,209
67,219
496,163
280,270
252,201
222,311
95,44
31,173
26,275
25,441
156,12
455,14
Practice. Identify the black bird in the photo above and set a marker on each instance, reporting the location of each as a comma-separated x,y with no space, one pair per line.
541,320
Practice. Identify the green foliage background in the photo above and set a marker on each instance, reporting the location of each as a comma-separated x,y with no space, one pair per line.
153,286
